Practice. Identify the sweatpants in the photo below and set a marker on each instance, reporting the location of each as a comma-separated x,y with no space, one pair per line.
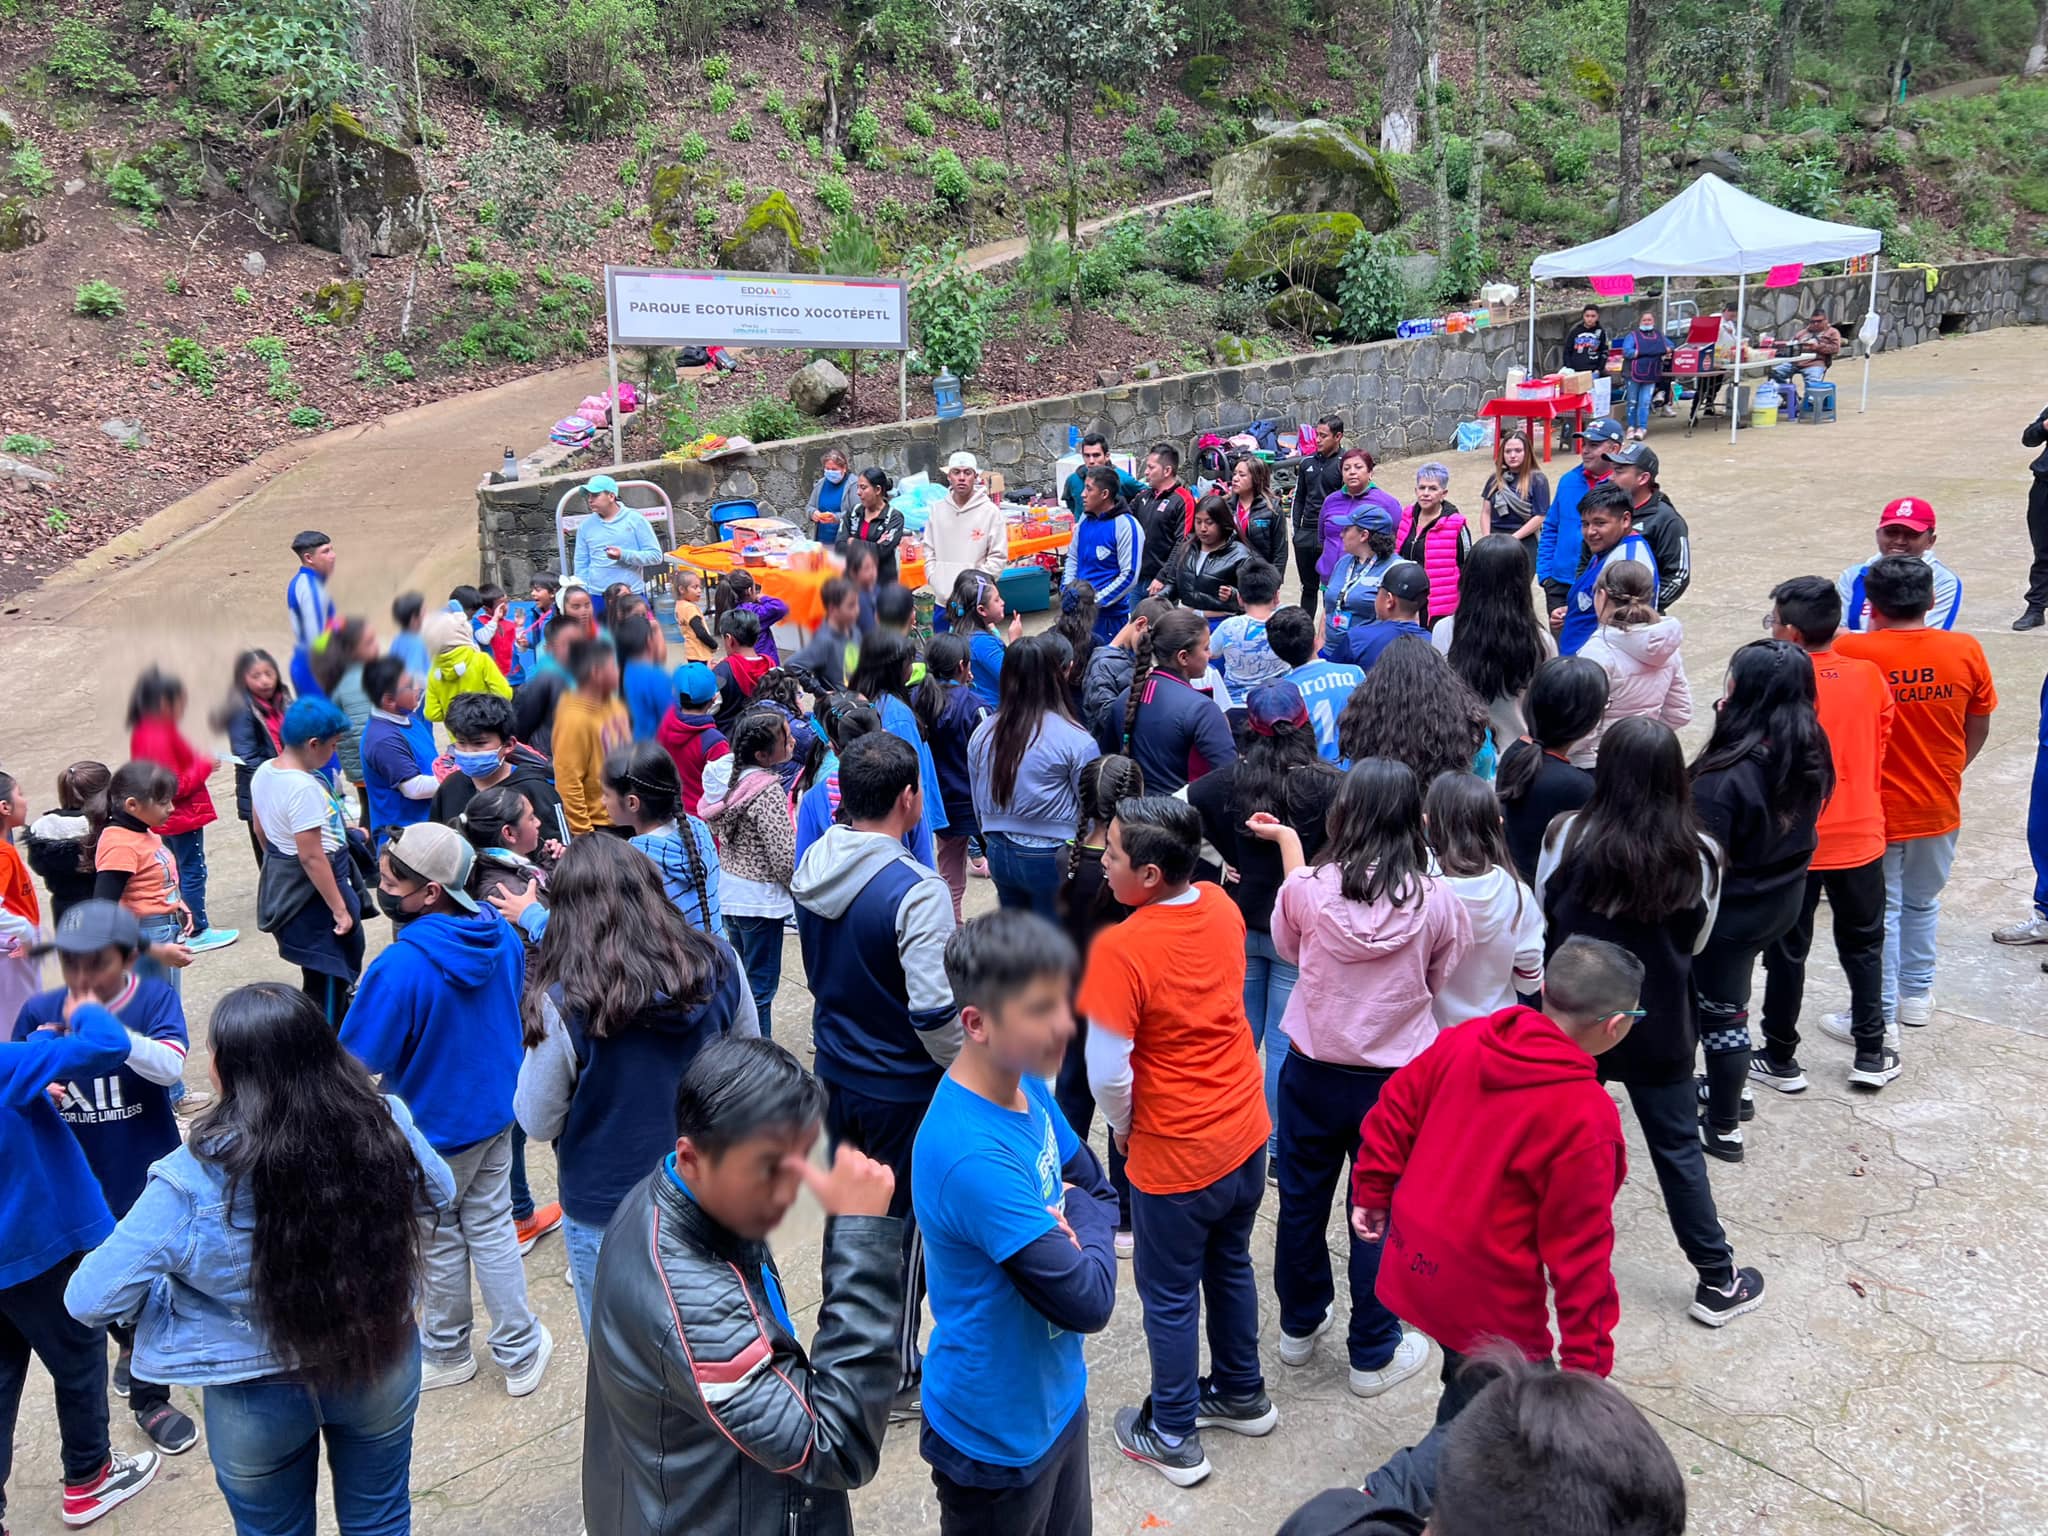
1194,1252
476,1235
1669,1115
1725,972
886,1130
1856,898
33,1320
2037,534
1055,1502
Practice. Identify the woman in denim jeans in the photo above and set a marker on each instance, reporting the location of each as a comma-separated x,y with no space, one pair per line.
227,1265
1645,349
1024,764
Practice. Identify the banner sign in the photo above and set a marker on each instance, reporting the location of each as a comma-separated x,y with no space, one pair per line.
660,307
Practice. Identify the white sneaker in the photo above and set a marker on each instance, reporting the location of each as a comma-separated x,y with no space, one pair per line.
453,1374
1126,1242
2033,931
1296,1351
1410,1356
523,1381
1836,1026
1917,1012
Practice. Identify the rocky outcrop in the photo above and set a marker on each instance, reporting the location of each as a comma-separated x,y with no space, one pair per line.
343,187
1304,311
770,239
19,226
1302,249
1309,167
817,388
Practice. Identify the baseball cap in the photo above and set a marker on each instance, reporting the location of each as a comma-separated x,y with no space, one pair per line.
311,720
1409,582
88,927
962,460
597,485
1910,511
1275,704
1637,456
695,683
437,853
1369,515
1601,429
305,543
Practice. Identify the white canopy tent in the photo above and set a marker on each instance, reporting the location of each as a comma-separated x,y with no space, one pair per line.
1712,229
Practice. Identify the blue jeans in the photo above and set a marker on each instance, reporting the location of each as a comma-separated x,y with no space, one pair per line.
189,849
1025,876
1638,397
522,1192
1914,873
1268,983
1322,1104
264,1437
759,942
162,929
1194,1250
582,1241
2037,812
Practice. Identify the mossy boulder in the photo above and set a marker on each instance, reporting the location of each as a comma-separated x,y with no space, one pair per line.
331,172
1200,76
1304,310
1231,351
668,200
1302,249
10,131
338,303
770,239
19,226
1307,167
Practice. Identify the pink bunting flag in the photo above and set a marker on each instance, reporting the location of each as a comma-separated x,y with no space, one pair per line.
1785,274
1614,287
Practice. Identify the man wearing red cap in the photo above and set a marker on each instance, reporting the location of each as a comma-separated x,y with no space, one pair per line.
1905,527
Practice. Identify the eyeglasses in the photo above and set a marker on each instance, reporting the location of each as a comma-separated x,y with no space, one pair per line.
1630,1013
1771,622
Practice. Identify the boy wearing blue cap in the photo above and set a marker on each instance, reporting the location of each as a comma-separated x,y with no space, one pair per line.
614,543
308,896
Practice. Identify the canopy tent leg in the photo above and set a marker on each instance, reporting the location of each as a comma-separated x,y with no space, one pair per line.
1532,322
1864,404
1735,363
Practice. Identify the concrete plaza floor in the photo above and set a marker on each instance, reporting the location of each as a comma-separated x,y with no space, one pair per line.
1894,1380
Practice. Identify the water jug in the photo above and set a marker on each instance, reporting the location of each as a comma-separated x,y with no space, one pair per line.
946,394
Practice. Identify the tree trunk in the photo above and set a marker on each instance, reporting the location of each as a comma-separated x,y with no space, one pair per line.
1401,82
1635,87
1481,114
1780,94
2037,53
1440,185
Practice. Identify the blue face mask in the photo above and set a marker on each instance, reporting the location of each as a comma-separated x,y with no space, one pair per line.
477,765
834,476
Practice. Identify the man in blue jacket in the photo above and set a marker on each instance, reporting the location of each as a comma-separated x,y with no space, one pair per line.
437,1016
1107,550
51,1214
1608,520
874,923
1560,545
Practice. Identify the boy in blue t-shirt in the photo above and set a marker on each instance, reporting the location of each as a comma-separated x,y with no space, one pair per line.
1241,643
1018,1223
121,1117
398,750
1326,686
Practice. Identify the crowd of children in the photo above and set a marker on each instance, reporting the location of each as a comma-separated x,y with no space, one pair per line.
1439,875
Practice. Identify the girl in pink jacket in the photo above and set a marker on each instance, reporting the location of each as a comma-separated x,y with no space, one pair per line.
1639,653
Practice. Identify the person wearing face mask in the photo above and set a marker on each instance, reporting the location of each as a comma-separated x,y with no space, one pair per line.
488,755
1644,349
870,519
828,496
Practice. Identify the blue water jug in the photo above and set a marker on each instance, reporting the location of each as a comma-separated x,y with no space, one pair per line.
946,394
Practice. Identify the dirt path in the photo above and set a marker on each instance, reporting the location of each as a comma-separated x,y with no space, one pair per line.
982,257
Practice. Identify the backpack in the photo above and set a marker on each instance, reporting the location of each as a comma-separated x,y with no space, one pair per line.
1212,457
693,357
1266,434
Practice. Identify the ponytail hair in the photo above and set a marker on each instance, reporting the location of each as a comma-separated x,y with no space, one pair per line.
734,588
1631,591
1565,701
963,605
1104,781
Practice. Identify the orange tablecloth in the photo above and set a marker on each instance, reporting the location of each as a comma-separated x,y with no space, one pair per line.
1024,549
799,589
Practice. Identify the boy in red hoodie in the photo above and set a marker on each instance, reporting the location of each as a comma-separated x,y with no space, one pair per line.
689,731
1477,1222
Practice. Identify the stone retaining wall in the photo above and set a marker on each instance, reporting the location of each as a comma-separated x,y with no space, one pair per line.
1397,397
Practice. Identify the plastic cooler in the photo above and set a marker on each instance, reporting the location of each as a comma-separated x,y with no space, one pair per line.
1025,588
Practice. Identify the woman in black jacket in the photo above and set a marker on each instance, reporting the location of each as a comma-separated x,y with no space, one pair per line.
1253,509
1635,868
1759,785
869,517
1202,574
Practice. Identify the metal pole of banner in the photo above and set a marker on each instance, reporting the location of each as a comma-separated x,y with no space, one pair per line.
611,359
1532,322
903,386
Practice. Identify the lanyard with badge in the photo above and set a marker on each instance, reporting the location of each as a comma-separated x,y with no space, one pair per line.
1340,617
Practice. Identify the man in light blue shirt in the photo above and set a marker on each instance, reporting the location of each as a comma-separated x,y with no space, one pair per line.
1905,527
614,543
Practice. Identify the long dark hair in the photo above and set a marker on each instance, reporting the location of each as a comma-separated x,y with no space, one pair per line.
1030,689
1105,781
944,656
155,693
1375,834
239,698
1172,632
884,667
82,791
1564,704
331,1186
1497,640
1634,852
733,589
1465,828
1077,623
614,944
1283,774
963,603
336,653
1413,708
1769,715
490,811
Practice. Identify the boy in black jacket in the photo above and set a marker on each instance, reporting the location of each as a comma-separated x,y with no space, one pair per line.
1588,347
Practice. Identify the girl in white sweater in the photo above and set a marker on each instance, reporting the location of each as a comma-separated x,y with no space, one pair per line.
1463,820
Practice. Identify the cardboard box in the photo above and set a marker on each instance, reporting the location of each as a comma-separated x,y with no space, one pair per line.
1574,381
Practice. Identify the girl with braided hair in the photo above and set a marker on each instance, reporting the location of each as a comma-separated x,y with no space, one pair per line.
643,791
1173,731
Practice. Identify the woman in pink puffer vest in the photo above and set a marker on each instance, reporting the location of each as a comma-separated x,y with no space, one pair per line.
1432,532
1639,653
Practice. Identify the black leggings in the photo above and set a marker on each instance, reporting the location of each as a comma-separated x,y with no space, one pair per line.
1725,972
330,994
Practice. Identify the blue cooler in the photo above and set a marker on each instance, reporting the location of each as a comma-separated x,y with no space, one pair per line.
1025,588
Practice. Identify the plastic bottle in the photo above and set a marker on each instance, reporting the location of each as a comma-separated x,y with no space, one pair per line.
510,470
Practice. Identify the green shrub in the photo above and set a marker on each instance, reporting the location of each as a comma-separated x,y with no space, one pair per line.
1142,155
1241,307
1464,265
25,444
99,299
200,367
1370,295
242,296
716,66
835,194
851,250
949,310
767,420
692,148
271,350
735,189
1106,264
864,135
906,29
306,418
706,217
487,277
398,365
1341,62
173,284
917,118
1571,158
82,56
1189,240
130,188
990,171
772,103
722,98
26,166
741,131
949,178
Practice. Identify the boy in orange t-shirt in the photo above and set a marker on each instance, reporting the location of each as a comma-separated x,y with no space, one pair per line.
1856,710
1172,1064
1941,688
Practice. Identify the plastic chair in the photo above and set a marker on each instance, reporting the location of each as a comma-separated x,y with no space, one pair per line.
730,511
1817,403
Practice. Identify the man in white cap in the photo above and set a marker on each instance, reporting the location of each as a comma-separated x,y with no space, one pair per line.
965,531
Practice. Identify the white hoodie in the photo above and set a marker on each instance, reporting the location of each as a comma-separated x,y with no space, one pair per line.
958,538
1645,676
1506,956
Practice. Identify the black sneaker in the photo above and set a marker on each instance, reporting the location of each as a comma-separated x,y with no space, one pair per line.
124,1377
1748,1100
1726,1145
169,1430
1784,1076
122,1478
1874,1069
1182,1465
908,1406
1253,1415
2031,619
1717,1308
